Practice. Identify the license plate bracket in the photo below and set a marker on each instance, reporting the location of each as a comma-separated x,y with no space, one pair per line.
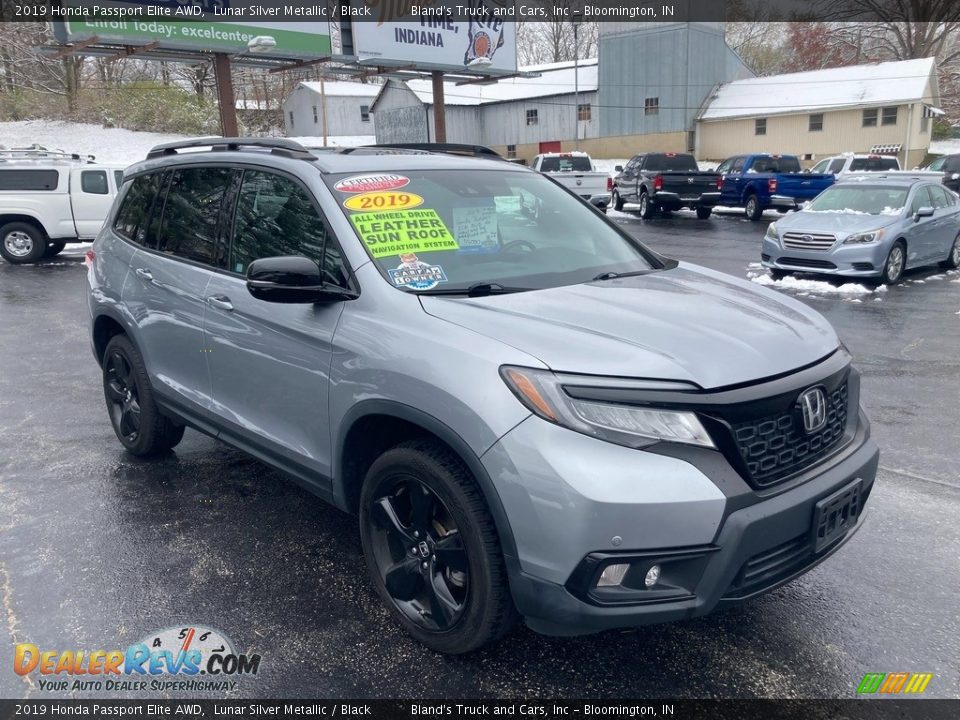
835,514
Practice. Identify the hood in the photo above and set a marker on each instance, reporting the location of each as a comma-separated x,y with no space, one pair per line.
837,223
689,324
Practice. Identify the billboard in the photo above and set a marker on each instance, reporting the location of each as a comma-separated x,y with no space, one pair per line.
486,43
134,22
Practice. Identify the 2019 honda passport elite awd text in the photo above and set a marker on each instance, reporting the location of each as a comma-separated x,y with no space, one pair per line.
530,411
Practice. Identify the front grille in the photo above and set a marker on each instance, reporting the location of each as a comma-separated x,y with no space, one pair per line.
777,446
798,262
770,566
808,241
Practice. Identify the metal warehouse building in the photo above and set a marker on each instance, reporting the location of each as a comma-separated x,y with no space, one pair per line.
343,107
885,107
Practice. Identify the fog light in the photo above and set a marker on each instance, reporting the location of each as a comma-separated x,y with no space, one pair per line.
612,575
653,575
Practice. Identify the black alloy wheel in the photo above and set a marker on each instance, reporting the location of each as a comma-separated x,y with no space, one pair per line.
123,399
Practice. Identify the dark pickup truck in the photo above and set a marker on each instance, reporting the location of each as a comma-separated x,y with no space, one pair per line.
665,181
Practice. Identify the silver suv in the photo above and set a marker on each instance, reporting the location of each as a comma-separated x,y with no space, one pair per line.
532,413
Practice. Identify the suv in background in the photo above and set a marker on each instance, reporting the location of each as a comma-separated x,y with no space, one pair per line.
48,199
949,165
530,411
850,162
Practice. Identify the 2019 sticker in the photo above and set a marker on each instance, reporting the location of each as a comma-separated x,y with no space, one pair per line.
403,231
415,274
368,202
372,182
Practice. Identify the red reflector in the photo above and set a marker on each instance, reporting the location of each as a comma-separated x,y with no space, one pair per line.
772,184
89,258
670,154
720,183
609,184
658,183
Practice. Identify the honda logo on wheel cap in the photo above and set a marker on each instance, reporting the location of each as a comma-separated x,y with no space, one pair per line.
813,406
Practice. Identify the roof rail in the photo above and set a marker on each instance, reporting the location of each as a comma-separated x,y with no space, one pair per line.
277,146
444,148
38,152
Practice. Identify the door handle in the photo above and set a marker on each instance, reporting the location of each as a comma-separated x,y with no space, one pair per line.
144,274
221,302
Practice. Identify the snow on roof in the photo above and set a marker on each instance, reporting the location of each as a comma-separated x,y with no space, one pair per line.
343,88
555,79
834,88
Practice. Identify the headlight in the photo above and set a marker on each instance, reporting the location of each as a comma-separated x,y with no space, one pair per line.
543,393
772,232
864,238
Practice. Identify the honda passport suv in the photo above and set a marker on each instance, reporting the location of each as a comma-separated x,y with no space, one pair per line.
532,414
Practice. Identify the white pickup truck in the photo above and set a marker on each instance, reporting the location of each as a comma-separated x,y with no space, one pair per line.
574,170
50,199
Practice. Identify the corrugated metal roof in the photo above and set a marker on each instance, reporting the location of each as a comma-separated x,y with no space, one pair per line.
343,88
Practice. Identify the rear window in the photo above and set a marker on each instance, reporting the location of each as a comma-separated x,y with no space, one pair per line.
775,165
671,163
566,164
874,164
135,209
29,179
447,230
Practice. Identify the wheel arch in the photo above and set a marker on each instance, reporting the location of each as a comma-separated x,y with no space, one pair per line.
24,218
103,328
392,422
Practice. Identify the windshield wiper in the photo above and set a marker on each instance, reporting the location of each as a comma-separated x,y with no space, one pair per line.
614,275
478,289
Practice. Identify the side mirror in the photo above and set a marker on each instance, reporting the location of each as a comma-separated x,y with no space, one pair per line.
925,211
291,279
618,168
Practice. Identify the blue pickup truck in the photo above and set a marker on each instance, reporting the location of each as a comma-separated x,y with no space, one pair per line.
758,182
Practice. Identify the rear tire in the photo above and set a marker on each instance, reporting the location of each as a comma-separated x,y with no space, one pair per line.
703,213
752,208
22,243
647,209
54,249
953,259
895,264
427,534
136,419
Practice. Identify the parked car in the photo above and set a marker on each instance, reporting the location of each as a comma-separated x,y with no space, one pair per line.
873,227
761,181
852,162
665,182
949,165
531,412
574,170
49,199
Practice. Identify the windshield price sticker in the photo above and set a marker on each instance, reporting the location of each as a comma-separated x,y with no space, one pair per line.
371,201
403,231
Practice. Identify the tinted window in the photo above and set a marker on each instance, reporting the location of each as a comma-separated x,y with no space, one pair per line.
29,179
191,213
953,163
94,182
274,217
118,177
775,165
676,163
135,209
566,164
873,164
835,167
738,165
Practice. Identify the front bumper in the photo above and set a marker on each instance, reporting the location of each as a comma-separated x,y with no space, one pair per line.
672,199
846,260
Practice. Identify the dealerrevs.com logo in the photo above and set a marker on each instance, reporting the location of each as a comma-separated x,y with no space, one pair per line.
192,658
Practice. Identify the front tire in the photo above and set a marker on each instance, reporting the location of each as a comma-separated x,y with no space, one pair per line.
953,259
647,208
752,208
21,243
617,201
136,419
895,264
433,550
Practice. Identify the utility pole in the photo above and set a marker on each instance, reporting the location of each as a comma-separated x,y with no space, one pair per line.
323,108
576,79
439,109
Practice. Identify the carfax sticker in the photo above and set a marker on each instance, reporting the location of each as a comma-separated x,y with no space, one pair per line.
415,274
371,182
368,202
403,231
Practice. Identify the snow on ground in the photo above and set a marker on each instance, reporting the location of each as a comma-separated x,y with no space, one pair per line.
849,291
336,140
945,147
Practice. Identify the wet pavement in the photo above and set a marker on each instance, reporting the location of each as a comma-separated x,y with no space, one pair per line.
97,550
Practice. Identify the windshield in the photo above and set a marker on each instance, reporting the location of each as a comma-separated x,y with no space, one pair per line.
938,163
671,163
578,163
445,231
867,199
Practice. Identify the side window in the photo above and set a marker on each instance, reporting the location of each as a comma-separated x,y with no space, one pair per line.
135,208
921,198
118,178
29,180
191,212
820,167
738,164
939,196
275,216
938,163
94,182
837,165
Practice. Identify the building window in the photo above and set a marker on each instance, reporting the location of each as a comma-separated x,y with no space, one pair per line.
291,118
870,118
314,114
760,126
651,106
533,117
511,152
583,111
364,113
816,122
924,123
889,116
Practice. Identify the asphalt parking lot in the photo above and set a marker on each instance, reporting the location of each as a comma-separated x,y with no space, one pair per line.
97,550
